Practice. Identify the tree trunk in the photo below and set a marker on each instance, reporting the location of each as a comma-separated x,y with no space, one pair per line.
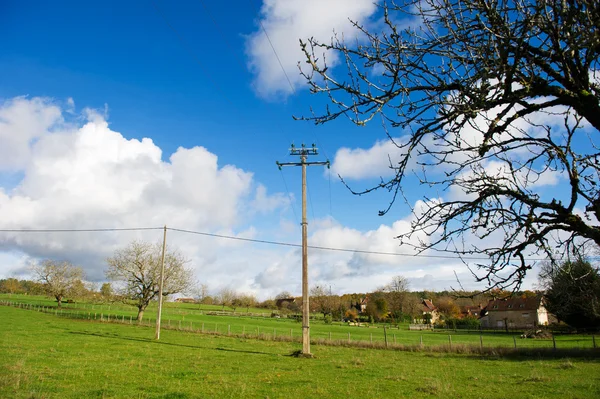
140,314
59,300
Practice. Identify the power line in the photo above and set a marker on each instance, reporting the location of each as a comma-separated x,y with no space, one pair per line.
277,56
288,244
78,230
269,242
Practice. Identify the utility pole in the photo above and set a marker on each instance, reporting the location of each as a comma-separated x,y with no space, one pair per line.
304,152
160,286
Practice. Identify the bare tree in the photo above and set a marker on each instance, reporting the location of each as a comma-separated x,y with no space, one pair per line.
396,291
492,97
283,295
247,300
60,279
226,297
321,300
136,269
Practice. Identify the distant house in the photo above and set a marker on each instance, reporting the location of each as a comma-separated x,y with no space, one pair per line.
284,302
185,300
361,306
515,313
471,311
430,311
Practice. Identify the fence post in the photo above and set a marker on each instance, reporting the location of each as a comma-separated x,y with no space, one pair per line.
348,337
385,336
101,316
394,339
450,340
515,341
594,341
421,341
481,341
291,334
553,342
371,338
228,329
129,319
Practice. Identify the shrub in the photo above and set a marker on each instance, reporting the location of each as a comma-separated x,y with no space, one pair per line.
328,319
351,314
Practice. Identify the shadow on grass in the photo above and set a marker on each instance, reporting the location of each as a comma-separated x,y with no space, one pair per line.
152,341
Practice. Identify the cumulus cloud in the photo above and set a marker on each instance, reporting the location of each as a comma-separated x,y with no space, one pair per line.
360,163
90,176
32,119
287,21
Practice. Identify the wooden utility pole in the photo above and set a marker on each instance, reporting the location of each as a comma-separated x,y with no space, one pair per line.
160,285
304,152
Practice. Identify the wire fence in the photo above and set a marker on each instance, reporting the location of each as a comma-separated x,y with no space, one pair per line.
383,338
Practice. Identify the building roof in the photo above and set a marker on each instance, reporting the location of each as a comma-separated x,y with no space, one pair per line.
428,306
514,304
470,310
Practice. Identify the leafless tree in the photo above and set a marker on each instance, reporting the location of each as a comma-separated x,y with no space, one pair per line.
226,296
322,301
136,269
60,279
397,290
491,97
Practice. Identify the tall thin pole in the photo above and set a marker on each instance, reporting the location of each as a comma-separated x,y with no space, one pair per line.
160,286
303,152
305,304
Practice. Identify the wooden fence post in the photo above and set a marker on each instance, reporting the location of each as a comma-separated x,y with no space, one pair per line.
421,341
348,337
481,341
553,342
515,341
385,336
450,340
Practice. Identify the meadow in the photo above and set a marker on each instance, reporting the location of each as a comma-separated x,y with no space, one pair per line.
45,356
201,318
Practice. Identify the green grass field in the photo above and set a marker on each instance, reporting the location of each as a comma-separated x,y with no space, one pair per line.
190,316
45,356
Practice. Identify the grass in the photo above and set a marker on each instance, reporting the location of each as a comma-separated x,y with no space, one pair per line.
186,315
44,356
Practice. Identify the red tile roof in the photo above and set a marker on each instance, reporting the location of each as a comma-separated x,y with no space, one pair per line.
517,303
428,306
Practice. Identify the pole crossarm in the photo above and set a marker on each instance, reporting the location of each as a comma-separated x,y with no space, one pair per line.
303,152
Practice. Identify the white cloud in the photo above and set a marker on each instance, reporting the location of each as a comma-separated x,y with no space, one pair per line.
287,21
32,119
359,163
91,176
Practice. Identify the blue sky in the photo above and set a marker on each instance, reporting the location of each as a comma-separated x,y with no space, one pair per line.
93,78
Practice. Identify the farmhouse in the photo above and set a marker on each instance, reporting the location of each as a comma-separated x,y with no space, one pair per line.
430,311
470,311
515,313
